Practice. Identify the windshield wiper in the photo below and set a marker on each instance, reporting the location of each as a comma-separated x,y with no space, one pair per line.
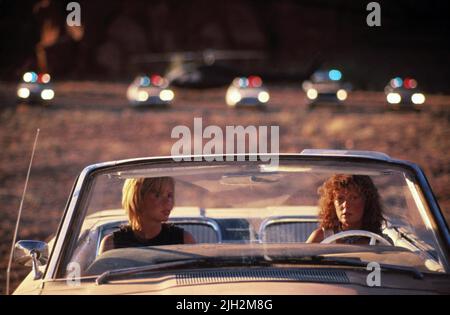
252,261
201,261
213,261
345,261
107,275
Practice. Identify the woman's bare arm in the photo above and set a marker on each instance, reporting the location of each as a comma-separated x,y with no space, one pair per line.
316,236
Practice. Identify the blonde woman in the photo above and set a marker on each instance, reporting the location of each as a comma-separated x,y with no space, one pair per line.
148,203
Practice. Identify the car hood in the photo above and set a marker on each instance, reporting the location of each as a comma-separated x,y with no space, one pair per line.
255,281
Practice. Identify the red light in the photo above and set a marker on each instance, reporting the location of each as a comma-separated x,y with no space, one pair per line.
43,78
46,78
410,83
156,80
254,81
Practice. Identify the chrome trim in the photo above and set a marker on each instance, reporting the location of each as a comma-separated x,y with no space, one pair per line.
55,256
283,219
200,221
193,278
353,153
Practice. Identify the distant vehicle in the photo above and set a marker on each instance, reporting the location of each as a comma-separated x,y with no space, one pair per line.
35,88
195,74
325,86
199,69
247,91
404,94
150,90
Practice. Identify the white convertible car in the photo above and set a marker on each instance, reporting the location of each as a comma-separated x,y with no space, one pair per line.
251,221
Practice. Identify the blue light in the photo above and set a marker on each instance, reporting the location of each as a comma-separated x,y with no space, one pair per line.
396,82
145,81
335,75
34,77
243,82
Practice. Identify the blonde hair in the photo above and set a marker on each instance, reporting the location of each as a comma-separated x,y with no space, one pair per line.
133,193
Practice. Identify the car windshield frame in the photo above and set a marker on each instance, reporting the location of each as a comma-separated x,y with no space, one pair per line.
76,207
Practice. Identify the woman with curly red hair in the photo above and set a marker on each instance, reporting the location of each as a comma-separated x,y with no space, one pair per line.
348,202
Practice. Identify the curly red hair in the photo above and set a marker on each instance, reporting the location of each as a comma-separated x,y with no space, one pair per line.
373,214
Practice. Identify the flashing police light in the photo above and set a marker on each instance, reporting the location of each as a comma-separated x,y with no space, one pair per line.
334,75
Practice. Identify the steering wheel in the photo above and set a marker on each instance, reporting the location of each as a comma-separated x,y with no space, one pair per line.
373,237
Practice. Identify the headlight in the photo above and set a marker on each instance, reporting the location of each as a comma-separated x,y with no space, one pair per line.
312,94
263,97
341,95
23,93
166,95
28,77
45,78
233,97
47,94
394,98
142,96
418,98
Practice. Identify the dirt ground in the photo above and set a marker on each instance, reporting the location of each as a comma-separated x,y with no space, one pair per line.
91,122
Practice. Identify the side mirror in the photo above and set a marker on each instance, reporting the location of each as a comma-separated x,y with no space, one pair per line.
31,253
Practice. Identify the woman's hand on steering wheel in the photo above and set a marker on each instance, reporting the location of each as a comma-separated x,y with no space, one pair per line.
373,237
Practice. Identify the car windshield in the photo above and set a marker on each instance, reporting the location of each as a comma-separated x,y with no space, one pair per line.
244,209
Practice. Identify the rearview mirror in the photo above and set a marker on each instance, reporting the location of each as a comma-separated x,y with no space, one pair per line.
31,253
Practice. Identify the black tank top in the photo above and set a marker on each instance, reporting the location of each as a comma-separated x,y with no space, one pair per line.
169,235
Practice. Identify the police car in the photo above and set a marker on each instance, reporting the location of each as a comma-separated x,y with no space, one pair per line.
35,88
247,91
150,90
404,94
325,86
